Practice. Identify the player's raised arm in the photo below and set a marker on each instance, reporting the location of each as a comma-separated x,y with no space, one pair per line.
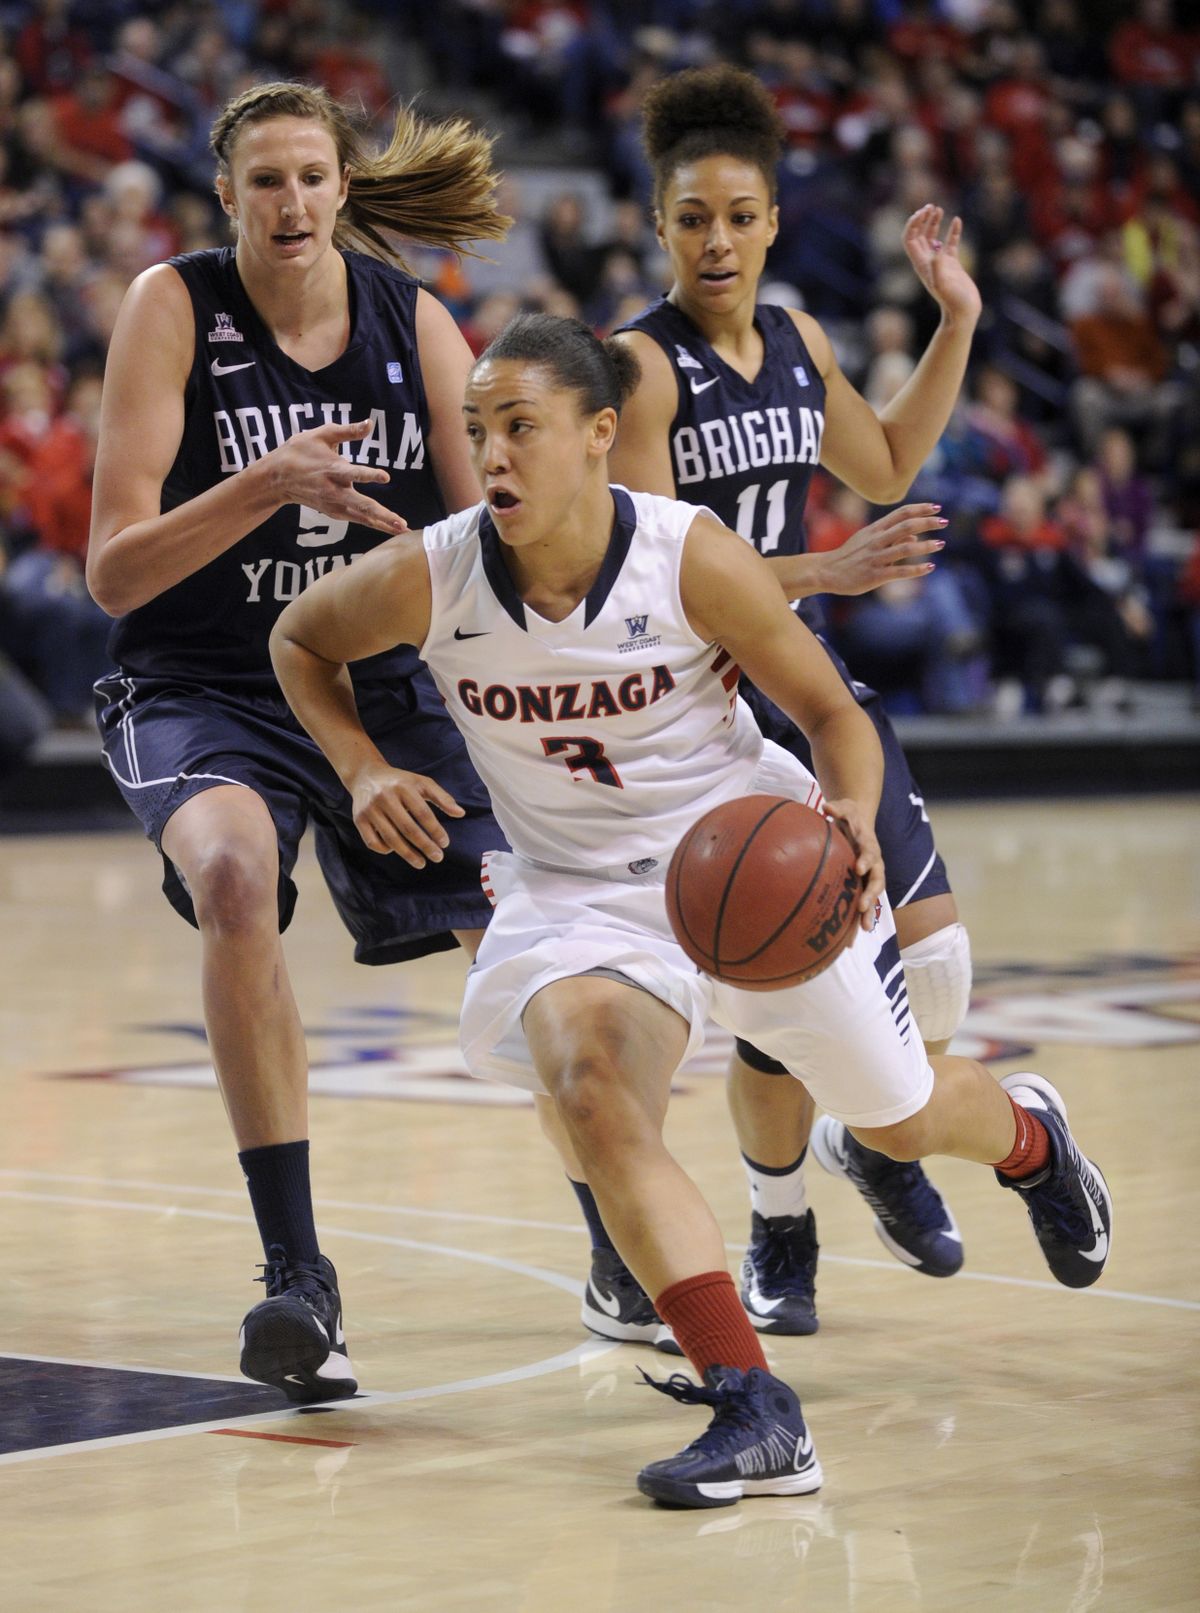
362,610
730,598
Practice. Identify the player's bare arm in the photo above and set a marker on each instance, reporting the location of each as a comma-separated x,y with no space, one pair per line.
730,598
641,456
445,364
379,602
879,455
890,548
135,551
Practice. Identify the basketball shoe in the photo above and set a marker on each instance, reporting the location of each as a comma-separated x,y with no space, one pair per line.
293,1339
756,1444
1068,1202
779,1273
910,1218
616,1306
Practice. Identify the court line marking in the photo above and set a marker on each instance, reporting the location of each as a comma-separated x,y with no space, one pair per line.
365,1397
571,1285
549,1364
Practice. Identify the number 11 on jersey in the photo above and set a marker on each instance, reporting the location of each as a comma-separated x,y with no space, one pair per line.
747,507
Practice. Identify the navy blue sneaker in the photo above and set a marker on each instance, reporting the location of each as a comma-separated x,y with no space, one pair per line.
779,1273
293,1339
756,1444
616,1306
1068,1202
911,1219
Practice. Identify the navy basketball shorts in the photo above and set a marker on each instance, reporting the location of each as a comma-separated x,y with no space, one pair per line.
166,741
913,865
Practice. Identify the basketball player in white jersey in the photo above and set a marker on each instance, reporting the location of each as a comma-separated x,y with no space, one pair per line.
583,639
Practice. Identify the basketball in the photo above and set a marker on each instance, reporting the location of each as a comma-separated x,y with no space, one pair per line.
762,892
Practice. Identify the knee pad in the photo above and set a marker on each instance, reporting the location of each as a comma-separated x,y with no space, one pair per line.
937,972
750,1055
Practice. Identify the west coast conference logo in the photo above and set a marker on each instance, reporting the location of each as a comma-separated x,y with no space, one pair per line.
1144,1001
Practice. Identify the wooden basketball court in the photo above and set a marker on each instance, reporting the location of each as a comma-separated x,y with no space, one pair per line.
992,1442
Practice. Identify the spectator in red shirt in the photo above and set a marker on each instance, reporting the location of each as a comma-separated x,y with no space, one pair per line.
89,126
1124,367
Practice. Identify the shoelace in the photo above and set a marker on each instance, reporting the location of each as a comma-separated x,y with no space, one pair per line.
294,1277
735,1405
785,1261
1054,1204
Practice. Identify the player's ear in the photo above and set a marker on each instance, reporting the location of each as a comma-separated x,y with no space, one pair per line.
603,432
225,195
659,229
772,223
344,192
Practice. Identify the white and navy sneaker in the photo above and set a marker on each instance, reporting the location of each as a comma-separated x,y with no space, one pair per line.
616,1306
1069,1202
756,1444
293,1339
911,1219
779,1273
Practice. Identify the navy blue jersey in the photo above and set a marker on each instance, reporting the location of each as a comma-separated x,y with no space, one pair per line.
244,397
747,449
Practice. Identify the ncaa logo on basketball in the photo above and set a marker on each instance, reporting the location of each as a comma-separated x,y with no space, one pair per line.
224,330
638,638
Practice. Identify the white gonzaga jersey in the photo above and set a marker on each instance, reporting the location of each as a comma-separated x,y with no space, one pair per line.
603,737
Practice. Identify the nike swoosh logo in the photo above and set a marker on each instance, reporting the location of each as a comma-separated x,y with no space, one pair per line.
459,634
702,386
227,369
339,1337
804,1451
760,1304
610,1304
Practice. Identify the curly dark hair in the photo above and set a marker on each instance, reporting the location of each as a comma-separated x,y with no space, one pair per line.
710,112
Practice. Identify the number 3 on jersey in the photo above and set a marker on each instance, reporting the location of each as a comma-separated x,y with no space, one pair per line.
776,512
589,757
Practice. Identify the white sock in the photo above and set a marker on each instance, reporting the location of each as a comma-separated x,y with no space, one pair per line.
777,1190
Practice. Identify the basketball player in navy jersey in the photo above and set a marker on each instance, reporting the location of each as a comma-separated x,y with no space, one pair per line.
272,411
737,406
581,637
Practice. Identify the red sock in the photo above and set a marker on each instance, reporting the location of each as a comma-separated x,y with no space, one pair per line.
706,1317
1031,1150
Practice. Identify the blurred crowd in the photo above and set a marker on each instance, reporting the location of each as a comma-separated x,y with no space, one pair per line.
1065,132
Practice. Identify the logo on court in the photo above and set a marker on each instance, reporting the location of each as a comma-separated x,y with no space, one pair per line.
225,330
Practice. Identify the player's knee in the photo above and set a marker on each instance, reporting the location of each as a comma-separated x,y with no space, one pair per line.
232,890
937,974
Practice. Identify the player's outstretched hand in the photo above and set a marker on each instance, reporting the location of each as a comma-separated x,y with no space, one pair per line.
938,266
309,470
393,811
891,548
850,815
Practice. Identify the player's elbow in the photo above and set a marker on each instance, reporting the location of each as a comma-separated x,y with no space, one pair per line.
106,588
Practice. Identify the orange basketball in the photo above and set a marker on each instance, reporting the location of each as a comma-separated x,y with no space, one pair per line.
762,892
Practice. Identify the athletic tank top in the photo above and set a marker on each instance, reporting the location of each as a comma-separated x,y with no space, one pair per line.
603,737
746,449
244,397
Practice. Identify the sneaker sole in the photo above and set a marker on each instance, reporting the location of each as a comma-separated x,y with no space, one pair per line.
1053,1097
677,1494
829,1160
305,1369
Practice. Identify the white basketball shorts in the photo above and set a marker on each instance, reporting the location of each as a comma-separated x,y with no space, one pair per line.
847,1034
